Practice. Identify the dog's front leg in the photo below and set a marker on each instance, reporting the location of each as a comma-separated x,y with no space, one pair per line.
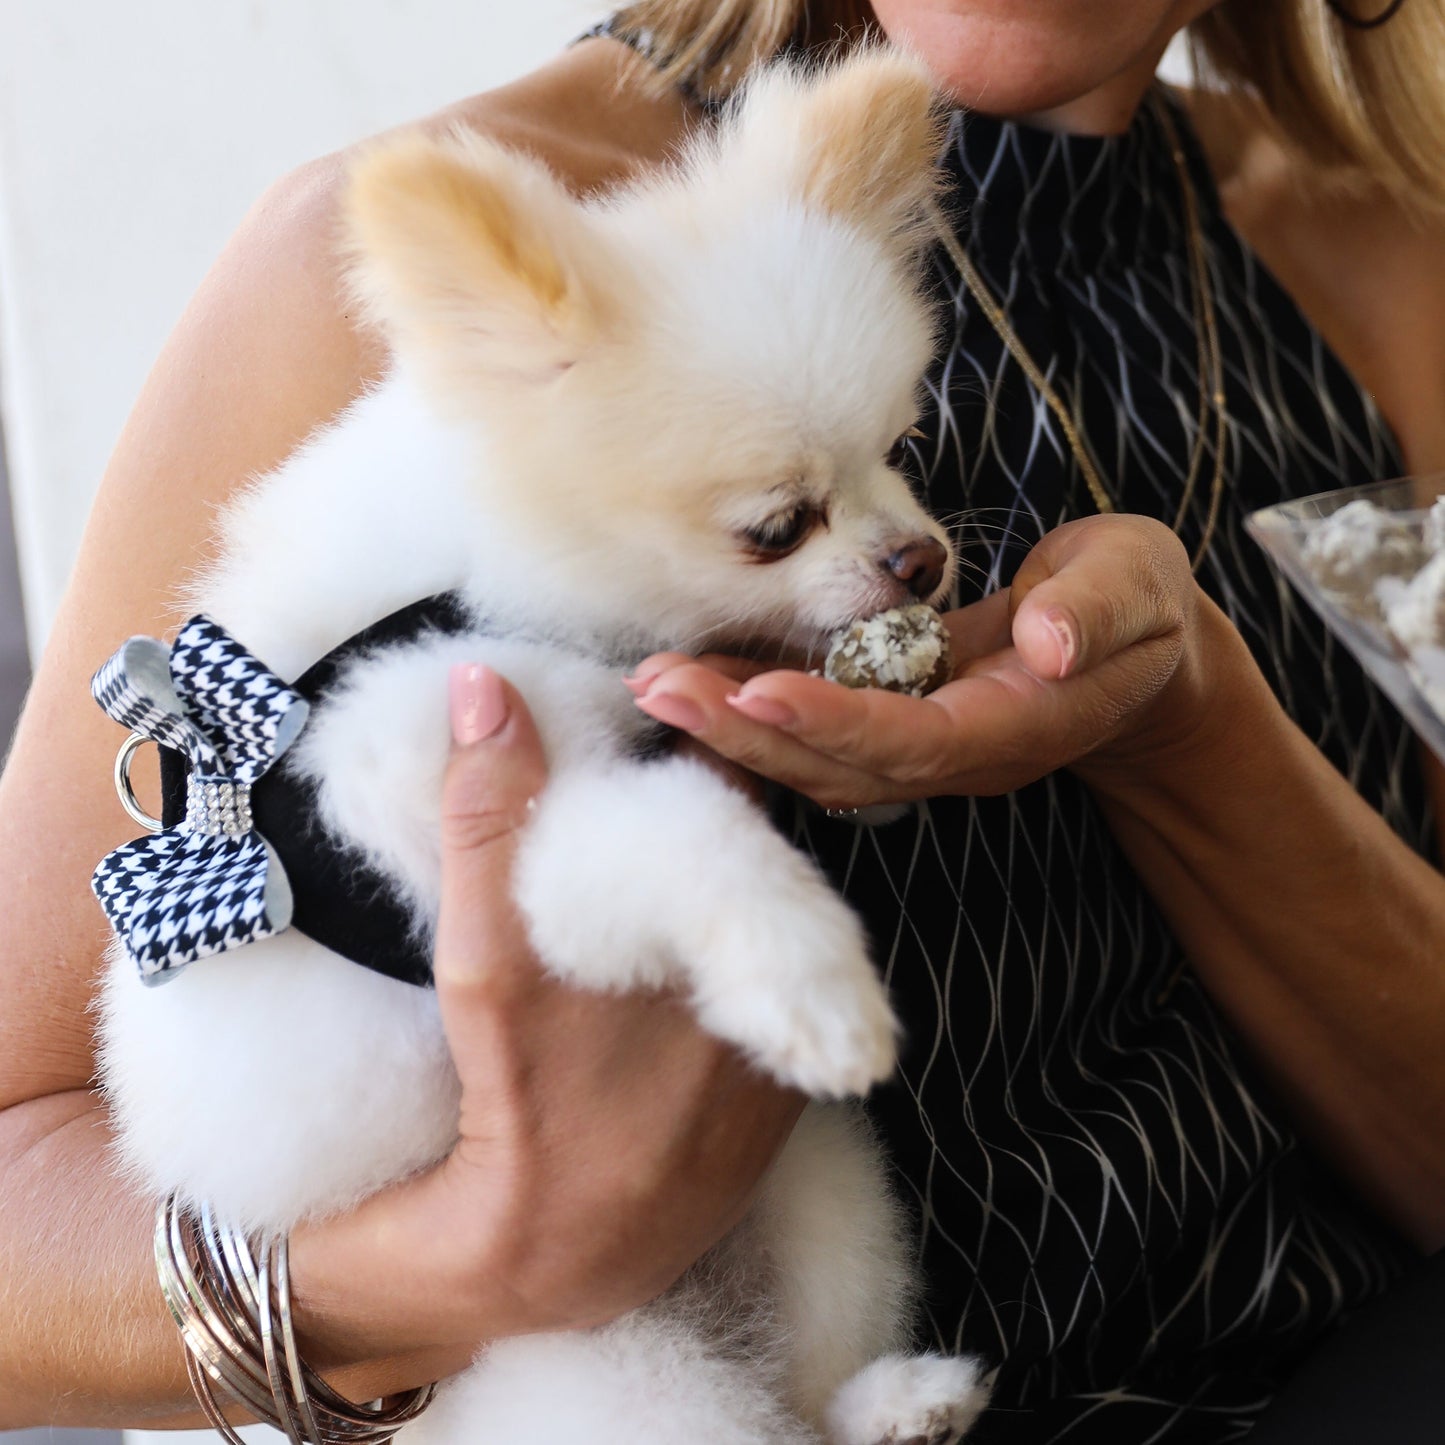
647,875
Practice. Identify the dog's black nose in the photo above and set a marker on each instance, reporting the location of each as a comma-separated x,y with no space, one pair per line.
918,564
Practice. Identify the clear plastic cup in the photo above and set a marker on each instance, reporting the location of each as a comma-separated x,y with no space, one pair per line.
1412,678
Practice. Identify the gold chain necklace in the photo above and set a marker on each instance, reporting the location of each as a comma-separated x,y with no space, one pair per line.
1206,332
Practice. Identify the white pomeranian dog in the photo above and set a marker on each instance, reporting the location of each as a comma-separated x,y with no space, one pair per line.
658,419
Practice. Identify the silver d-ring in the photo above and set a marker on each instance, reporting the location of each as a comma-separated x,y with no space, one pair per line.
128,800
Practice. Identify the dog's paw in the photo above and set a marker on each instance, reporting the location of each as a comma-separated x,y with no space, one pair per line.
802,999
831,1044
908,1400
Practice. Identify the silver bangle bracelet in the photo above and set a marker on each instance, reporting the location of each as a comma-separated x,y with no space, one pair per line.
232,1305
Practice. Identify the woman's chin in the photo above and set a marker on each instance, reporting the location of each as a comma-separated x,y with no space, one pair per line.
1011,59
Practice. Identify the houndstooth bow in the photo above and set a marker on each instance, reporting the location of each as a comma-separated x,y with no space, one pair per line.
211,882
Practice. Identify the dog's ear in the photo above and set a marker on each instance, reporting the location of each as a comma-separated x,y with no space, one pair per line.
472,258
859,138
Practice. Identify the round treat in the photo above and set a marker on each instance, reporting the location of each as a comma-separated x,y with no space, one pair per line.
902,650
1350,550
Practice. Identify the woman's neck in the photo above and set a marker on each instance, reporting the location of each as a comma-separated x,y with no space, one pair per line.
1107,110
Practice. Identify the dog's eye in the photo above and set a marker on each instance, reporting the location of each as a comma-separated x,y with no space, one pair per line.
783,532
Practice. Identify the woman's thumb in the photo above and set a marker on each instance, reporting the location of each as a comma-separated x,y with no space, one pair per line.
496,770
1095,587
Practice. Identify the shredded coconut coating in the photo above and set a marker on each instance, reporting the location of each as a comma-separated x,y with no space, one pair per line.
902,650
1352,549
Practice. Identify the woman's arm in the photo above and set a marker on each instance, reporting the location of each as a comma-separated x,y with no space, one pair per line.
1315,928
407,1286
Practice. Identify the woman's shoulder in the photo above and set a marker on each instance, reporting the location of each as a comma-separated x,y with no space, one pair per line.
593,113
587,114
1365,268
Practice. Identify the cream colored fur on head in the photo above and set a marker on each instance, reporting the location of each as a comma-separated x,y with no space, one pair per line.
478,256
659,418
655,373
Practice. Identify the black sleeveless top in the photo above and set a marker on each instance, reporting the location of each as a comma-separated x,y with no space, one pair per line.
1113,1209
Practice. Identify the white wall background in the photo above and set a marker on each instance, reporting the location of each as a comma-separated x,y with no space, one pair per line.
133,136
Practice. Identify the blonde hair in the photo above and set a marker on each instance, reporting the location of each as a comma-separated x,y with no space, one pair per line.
1361,102
1366,102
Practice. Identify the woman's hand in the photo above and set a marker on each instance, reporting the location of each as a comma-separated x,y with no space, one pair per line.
605,1141
1093,653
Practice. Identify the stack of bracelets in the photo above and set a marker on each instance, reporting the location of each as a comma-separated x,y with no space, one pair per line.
233,1308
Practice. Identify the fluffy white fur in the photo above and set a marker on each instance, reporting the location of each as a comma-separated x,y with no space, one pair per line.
601,421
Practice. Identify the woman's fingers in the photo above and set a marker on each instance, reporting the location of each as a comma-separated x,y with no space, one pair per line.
882,735
1092,588
844,747
983,733
697,699
642,677
979,629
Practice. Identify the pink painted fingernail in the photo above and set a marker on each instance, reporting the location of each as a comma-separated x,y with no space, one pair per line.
677,712
767,710
478,703
1063,630
644,675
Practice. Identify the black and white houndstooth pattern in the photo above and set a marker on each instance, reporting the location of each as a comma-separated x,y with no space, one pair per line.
246,710
185,894
135,688
178,896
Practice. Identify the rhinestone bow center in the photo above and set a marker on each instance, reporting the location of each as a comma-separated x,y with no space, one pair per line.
218,807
